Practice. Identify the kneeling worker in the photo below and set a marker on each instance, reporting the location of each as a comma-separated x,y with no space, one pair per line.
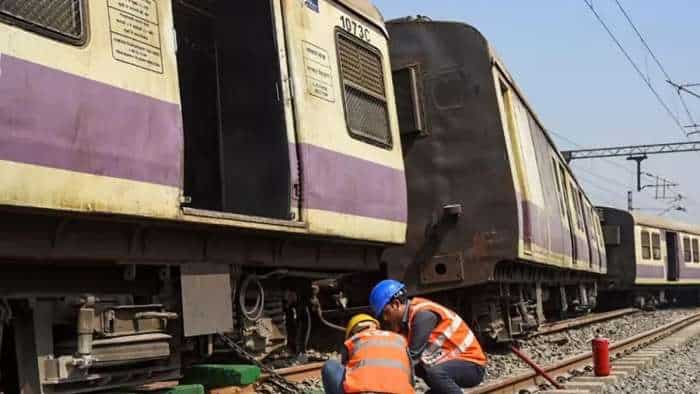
447,355
373,361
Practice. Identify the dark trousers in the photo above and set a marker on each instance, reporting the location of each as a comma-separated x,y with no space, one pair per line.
333,376
451,376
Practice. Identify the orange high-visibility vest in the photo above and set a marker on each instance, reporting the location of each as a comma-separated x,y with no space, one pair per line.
378,362
451,339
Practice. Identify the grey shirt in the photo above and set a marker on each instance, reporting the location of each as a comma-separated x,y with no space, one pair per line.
423,324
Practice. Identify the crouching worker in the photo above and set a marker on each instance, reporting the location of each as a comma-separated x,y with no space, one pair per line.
373,361
442,347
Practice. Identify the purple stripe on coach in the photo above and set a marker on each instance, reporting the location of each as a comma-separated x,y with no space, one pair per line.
651,272
54,119
341,183
690,272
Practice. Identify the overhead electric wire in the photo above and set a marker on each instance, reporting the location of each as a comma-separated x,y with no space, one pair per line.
608,180
599,188
636,67
574,143
656,59
610,192
641,38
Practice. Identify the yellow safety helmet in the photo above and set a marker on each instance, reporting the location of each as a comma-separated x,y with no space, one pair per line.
357,319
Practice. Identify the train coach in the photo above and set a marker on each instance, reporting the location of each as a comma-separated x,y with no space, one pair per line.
652,260
498,226
170,170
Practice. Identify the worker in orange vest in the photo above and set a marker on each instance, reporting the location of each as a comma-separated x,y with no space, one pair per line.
373,361
442,347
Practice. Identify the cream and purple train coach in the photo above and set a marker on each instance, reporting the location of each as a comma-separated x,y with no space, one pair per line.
156,156
653,260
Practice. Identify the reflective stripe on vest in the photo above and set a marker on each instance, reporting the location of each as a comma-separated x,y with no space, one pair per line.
385,363
378,362
394,343
454,341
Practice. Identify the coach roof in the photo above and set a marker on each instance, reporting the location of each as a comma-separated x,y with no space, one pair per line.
665,223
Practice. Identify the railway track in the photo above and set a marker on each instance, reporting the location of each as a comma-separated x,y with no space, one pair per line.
300,373
549,328
628,356
530,381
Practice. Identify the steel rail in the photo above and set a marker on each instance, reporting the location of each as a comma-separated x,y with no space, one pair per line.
298,373
549,328
532,379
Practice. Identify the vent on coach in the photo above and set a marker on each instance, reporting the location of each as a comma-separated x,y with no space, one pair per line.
362,78
58,18
408,93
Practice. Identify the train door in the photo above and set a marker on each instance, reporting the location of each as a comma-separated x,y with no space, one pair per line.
239,141
564,243
582,251
519,138
586,224
672,261
589,232
569,214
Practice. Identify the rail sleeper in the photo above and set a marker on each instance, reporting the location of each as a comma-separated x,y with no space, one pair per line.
592,387
630,364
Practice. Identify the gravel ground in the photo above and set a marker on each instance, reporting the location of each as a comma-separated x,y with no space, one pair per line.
675,372
547,349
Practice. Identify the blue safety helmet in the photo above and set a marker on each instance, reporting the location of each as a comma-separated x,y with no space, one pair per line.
382,293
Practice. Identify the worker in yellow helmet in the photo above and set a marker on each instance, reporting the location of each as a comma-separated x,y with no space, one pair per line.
373,360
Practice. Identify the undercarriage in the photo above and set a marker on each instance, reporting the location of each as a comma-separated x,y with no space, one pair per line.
121,326
520,298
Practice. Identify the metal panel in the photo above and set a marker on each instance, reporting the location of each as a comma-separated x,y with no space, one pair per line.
442,269
206,299
611,234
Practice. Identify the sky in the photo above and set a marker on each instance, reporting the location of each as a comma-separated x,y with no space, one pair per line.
586,92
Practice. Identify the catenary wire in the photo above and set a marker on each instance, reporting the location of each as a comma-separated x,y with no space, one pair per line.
656,59
636,68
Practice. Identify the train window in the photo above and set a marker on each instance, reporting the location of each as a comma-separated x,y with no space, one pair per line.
557,180
584,215
447,90
646,250
577,203
364,90
656,246
59,19
567,201
594,227
601,236
687,253
696,251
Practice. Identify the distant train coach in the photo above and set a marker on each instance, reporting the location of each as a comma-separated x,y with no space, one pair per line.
650,258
